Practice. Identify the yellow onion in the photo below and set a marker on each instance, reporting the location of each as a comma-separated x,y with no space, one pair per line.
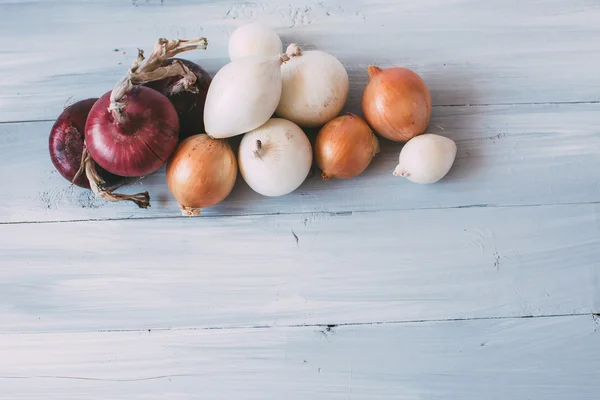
345,147
201,173
396,103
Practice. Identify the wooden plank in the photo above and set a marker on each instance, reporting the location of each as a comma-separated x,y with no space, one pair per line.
542,154
493,51
545,358
300,269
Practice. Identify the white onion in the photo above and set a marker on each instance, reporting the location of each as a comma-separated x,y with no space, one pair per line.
315,87
254,39
426,158
243,95
275,159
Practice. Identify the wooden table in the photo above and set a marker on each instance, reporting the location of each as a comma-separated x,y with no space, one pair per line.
482,286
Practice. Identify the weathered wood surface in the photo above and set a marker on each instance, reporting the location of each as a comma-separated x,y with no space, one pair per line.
507,156
544,358
237,300
300,269
469,52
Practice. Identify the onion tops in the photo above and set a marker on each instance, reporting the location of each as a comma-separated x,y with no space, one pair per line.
254,39
396,103
275,158
344,147
243,95
201,173
315,87
426,158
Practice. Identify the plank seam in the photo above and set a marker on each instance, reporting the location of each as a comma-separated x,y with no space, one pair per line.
330,213
31,121
326,328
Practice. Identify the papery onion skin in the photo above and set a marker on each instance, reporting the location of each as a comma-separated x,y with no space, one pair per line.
141,143
345,147
254,39
426,158
315,87
189,105
201,173
275,159
66,144
396,103
243,95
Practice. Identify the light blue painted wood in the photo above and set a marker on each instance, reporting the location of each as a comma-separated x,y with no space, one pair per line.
248,271
532,251
469,52
519,359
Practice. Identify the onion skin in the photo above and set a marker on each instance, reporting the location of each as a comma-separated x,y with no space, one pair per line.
315,87
139,144
253,39
189,105
66,144
201,173
426,158
345,147
243,95
396,103
275,158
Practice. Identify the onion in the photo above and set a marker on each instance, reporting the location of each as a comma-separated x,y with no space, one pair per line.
275,158
66,144
396,103
137,139
188,98
201,173
345,146
315,87
243,95
254,39
426,158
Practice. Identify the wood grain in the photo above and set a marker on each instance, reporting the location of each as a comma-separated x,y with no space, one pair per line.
507,156
300,269
520,359
469,52
485,285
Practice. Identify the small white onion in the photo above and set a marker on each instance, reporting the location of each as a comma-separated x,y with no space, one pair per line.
315,87
254,39
426,158
275,159
243,95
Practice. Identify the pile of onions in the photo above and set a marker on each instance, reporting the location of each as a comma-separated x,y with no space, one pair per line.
66,144
275,158
168,110
396,103
315,87
254,39
201,173
426,158
345,147
243,95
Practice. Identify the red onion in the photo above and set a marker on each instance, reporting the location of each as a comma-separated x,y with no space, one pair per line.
137,137
189,102
66,144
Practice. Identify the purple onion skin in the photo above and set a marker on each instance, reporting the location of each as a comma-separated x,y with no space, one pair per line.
189,106
67,140
142,142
